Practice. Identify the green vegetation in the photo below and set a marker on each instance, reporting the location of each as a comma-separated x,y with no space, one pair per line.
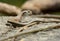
14,2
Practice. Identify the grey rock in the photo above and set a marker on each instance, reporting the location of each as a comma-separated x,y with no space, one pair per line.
45,35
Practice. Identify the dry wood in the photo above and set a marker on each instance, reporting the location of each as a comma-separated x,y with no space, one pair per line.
48,16
31,31
22,39
44,20
26,26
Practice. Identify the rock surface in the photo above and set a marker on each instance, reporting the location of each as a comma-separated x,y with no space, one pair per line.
43,35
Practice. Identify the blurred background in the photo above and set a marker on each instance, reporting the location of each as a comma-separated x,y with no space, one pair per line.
18,3
13,2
